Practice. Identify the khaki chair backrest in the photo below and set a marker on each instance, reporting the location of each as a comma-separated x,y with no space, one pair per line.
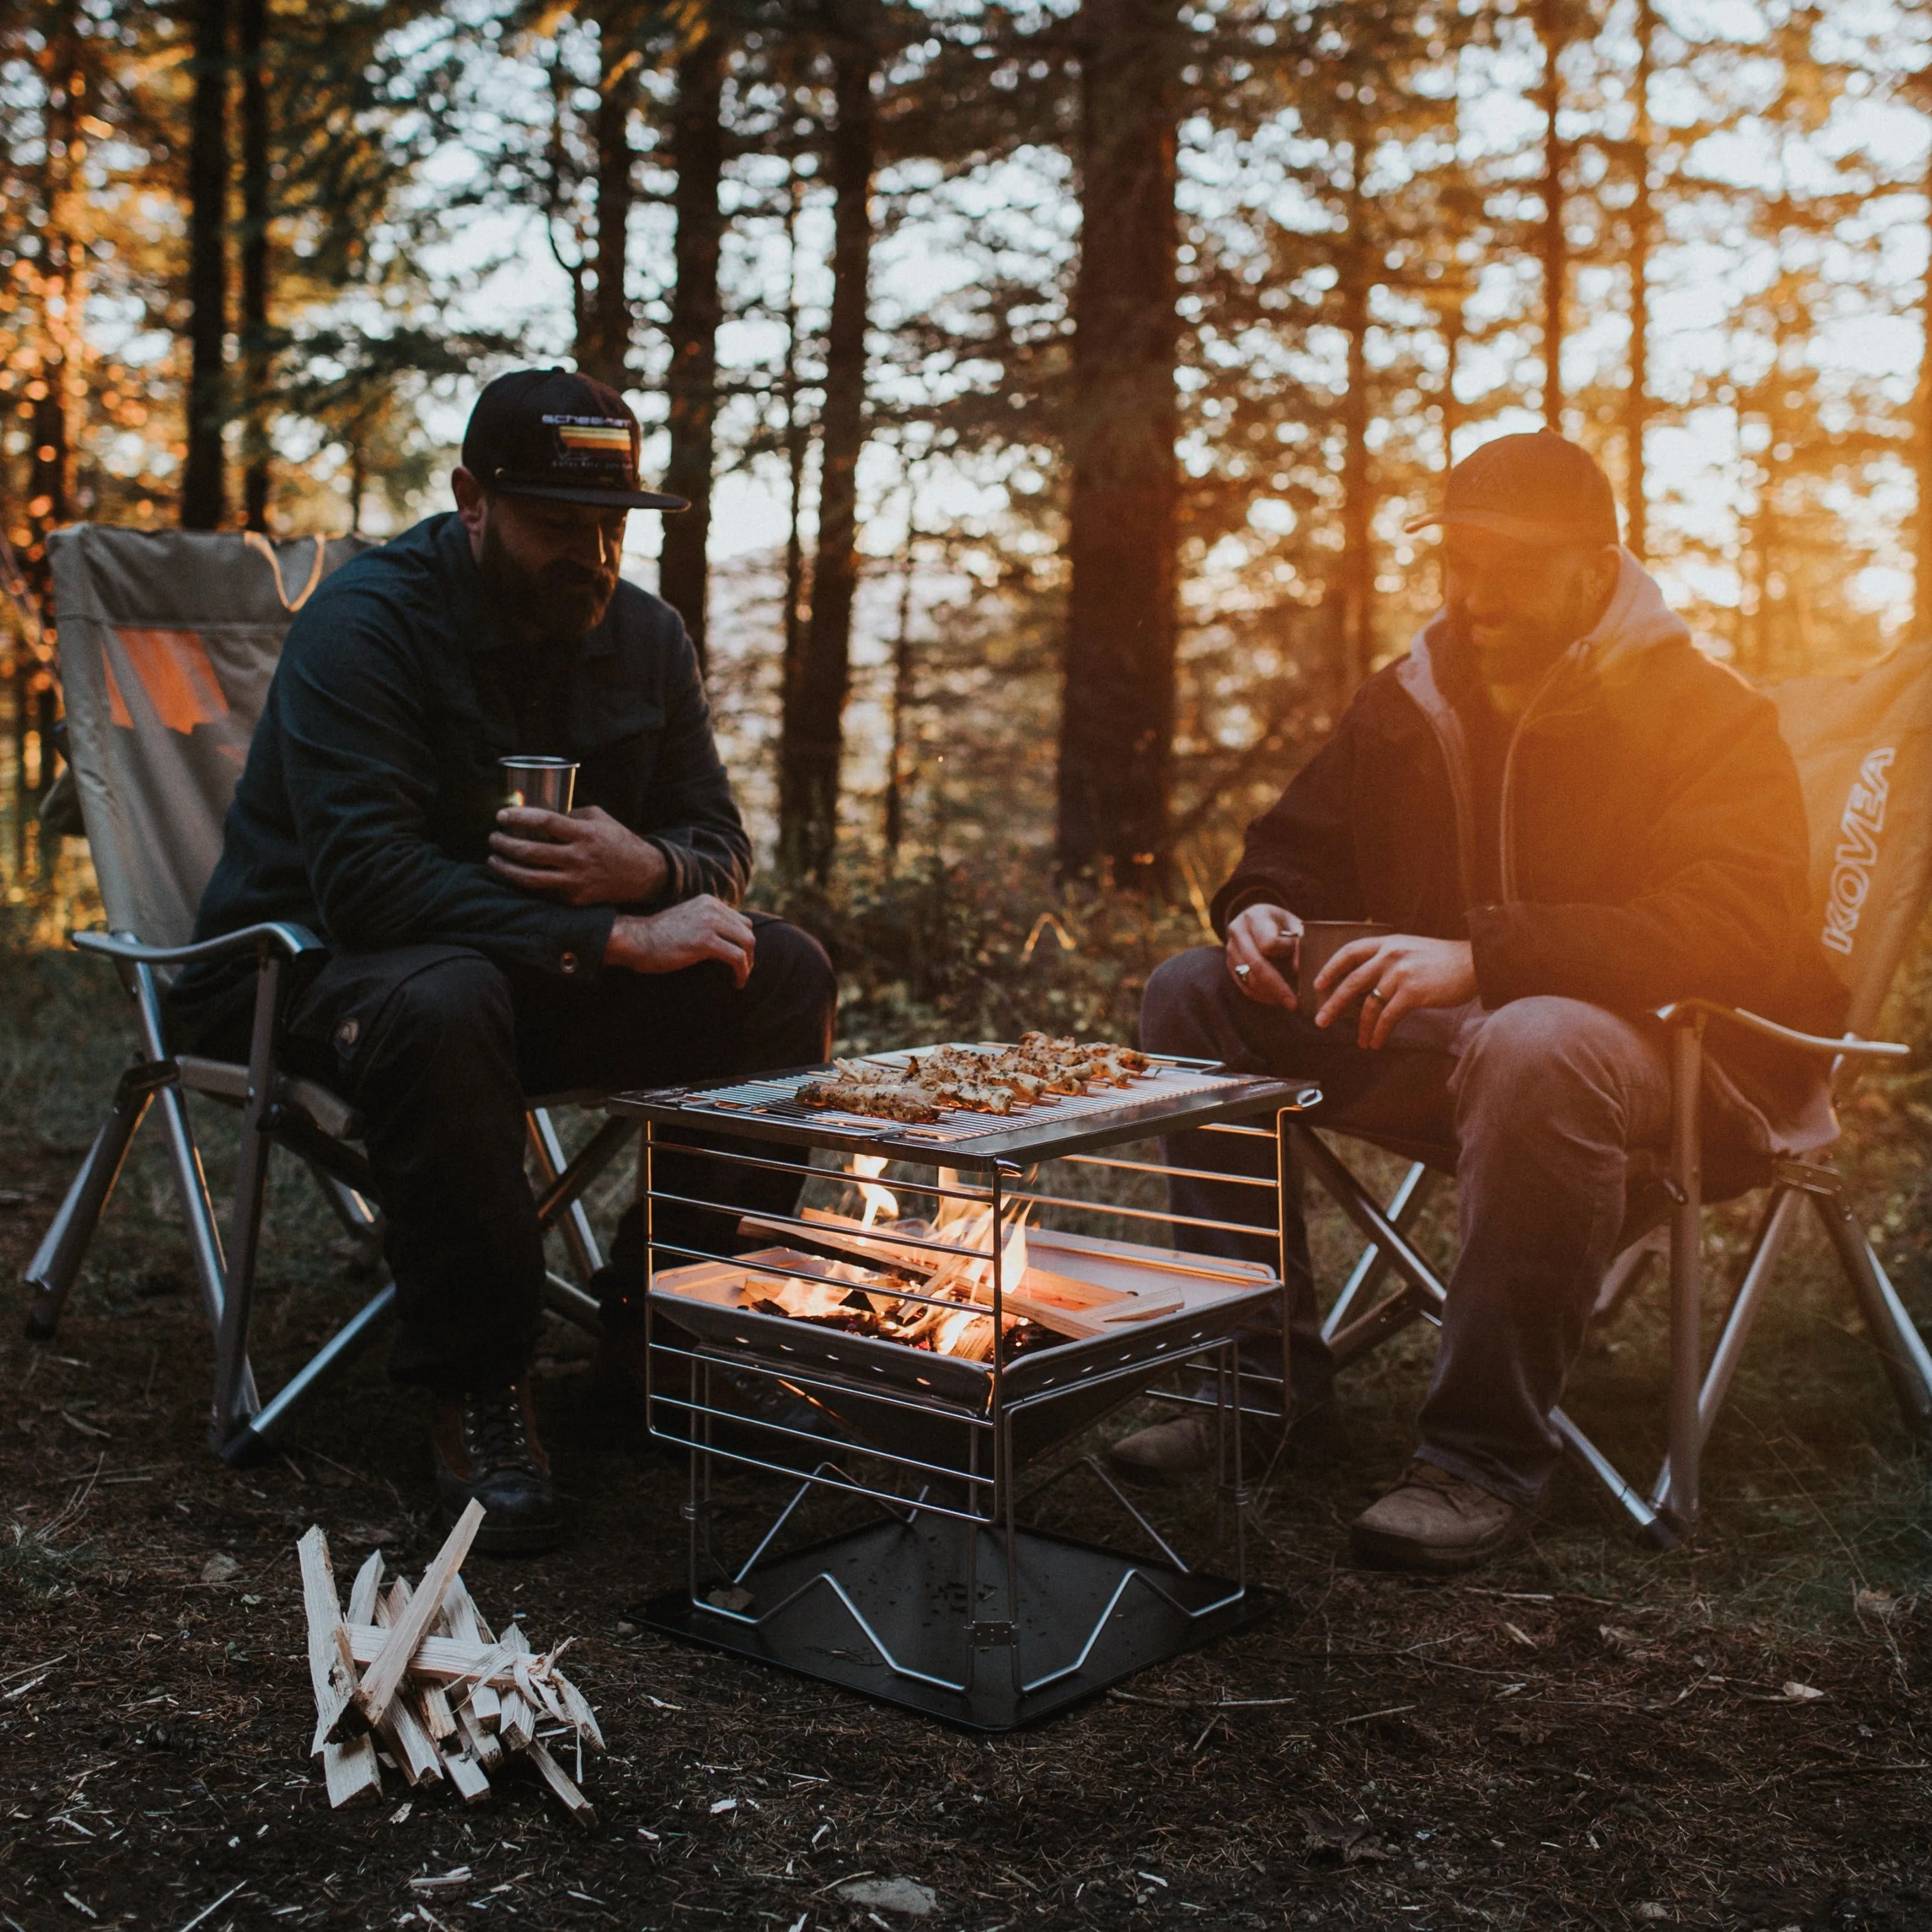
1863,749
168,639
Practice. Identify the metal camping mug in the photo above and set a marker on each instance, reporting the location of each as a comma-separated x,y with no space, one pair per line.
546,785
1321,939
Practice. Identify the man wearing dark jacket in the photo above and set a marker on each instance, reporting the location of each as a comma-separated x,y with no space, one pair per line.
478,954
1568,816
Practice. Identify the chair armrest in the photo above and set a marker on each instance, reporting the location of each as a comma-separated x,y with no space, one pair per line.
1682,1013
294,940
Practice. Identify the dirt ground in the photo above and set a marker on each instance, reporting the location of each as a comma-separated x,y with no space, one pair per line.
1589,1734
1506,1752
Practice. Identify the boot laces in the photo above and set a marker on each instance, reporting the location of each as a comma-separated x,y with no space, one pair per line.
494,1431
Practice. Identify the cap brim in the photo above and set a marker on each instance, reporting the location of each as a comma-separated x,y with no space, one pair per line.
1518,530
604,499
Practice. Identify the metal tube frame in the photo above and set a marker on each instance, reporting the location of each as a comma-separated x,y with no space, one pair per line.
240,1424
991,1500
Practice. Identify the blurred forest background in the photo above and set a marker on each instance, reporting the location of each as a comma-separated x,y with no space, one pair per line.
1052,382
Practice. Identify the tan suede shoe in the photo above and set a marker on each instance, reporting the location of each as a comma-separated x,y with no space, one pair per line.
1434,1521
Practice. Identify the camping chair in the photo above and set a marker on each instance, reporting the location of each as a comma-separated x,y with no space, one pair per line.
1863,747
168,641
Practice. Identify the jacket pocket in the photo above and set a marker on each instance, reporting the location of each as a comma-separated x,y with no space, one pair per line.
618,757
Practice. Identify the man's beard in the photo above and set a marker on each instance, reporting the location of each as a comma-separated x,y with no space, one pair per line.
1530,651
562,599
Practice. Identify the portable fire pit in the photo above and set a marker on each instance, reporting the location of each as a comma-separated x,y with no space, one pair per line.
922,1361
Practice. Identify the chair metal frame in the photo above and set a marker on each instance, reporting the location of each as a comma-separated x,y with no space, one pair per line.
307,1120
1666,1513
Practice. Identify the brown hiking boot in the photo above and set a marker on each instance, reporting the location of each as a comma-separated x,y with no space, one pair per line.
487,1451
1435,1523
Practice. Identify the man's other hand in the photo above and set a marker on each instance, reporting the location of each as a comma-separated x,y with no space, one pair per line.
585,859
685,935
1393,976
1258,937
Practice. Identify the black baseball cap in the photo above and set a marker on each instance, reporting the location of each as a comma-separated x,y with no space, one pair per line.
553,433
1539,488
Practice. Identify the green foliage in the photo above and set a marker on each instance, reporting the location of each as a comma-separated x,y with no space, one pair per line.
985,952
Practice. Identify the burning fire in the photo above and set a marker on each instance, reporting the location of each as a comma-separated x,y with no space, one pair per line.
878,1200
886,1276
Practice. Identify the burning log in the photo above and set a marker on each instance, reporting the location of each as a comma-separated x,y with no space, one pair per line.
418,1668
901,1285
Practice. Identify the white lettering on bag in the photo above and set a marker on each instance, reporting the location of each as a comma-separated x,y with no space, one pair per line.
1857,854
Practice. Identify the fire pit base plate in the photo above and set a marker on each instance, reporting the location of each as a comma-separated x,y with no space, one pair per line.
850,1610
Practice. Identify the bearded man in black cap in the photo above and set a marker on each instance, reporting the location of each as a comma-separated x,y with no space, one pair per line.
477,954
1569,817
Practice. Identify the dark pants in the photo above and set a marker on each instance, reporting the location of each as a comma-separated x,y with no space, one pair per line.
441,1052
1537,1105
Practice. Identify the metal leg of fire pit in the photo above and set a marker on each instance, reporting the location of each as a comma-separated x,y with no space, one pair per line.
915,1610
944,1603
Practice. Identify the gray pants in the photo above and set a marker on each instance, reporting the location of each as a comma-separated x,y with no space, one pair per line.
1537,1104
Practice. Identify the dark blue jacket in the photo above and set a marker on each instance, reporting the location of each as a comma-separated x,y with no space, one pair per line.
372,784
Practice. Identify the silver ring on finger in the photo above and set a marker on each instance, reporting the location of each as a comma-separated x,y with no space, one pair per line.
1376,993
1241,973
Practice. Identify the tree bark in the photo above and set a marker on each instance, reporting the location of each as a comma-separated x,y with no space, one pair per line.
893,822
811,750
696,310
203,478
55,415
204,500
1555,245
1357,639
1117,721
798,437
1922,548
604,340
1636,401
252,25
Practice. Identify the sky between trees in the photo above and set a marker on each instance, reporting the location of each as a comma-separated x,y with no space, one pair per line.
910,297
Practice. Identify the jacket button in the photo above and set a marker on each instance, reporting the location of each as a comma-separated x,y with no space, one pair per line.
567,963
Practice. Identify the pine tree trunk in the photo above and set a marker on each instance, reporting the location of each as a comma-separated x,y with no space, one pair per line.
604,340
1555,246
1357,563
204,500
252,24
811,750
1116,720
698,139
55,414
893,822
798,439
1636,401
1922,548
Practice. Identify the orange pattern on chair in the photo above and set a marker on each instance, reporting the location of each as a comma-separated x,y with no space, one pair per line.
175,675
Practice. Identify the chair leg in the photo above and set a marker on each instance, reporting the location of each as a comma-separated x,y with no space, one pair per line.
1774,1230
1686,1278
231,1410
580,1239
56,1262
254,1435
1410,1198
1902,1350
363,1223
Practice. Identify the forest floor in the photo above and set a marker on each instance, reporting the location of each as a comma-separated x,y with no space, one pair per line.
1587,1734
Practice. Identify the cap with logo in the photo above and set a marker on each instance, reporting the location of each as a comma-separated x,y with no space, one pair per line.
552,433
1539,488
